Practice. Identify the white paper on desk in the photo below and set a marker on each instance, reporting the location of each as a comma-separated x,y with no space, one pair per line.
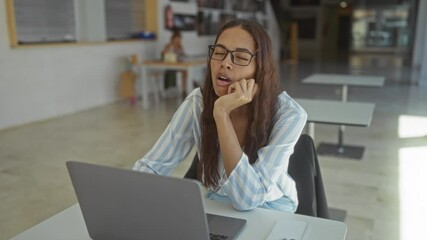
287,229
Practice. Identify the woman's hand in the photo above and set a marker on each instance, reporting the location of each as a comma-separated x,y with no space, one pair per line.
239,94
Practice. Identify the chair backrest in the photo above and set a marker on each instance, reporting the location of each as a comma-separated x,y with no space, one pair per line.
304,169
192,171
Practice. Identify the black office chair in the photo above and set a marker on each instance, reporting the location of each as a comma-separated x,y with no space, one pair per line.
304,169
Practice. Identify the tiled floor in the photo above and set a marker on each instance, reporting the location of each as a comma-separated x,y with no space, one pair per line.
34,183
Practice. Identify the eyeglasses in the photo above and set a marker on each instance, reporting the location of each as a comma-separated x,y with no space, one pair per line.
241,57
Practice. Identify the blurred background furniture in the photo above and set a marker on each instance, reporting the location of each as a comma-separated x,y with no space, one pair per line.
191,66
344,80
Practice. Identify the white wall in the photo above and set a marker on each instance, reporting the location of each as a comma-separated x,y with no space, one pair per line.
44,82
419,34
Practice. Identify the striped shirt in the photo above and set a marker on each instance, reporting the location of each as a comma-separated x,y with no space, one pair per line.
248,186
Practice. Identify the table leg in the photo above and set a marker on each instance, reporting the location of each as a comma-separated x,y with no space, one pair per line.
311,129
342,127
341,130
190,79
344,93
144,85
339,149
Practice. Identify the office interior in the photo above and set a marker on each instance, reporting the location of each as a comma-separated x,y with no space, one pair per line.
60,102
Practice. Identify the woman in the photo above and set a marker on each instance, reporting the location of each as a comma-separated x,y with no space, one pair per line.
175,47
243,129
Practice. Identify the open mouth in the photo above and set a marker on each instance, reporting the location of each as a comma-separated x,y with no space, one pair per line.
223,80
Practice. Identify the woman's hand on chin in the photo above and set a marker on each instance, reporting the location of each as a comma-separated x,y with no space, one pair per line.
239,94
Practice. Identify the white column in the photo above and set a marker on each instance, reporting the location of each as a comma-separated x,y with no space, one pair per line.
419,60
423,73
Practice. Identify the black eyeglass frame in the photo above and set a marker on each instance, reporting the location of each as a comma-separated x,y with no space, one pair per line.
212,47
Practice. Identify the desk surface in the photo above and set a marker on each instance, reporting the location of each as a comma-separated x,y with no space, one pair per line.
337,112
69,224
343,79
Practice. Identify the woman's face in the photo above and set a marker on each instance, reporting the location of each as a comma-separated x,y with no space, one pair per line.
226,72
176,41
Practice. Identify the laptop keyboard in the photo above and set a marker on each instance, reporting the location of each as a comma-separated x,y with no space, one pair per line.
217,236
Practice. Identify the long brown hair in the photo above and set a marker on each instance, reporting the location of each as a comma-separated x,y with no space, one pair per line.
262,107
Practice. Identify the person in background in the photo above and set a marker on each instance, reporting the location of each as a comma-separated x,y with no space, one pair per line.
175,45
175,48
244,129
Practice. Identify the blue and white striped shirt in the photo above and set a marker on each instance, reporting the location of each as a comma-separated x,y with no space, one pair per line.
248,186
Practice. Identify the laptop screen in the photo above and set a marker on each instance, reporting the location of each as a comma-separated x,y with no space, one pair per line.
125,204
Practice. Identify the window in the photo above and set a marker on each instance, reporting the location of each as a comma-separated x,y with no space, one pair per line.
69,21
124,18
44,21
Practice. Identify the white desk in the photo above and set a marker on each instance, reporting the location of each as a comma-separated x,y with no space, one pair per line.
69,224
338,113
344,81
189,65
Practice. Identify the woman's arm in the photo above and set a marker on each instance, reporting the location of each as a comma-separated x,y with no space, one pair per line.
231,150
166,48
177,140
249,186
239,94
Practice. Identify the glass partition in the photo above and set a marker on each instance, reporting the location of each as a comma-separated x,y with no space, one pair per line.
381,29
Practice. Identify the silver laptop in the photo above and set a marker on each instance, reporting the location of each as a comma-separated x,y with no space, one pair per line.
125,204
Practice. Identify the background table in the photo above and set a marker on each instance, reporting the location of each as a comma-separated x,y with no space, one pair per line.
69,224
190,66
343,80
336,112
